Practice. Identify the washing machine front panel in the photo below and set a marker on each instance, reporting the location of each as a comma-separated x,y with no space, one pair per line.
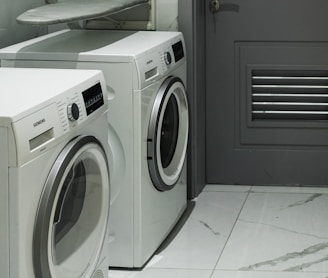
72,216
156,211
50,138
168,134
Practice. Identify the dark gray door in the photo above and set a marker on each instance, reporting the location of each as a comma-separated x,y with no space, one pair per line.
267,92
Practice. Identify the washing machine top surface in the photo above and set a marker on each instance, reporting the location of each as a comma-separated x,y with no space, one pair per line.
154,53
92,45
25,91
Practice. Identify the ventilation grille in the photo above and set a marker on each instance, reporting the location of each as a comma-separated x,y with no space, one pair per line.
289,95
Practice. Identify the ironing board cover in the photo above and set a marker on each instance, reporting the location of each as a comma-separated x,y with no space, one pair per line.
74,10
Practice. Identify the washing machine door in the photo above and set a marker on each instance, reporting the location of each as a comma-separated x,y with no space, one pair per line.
71,220
168,134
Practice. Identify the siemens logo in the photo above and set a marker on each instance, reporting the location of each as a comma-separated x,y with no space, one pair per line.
40,122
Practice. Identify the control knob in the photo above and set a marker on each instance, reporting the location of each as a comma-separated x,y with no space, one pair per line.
73,112
167,58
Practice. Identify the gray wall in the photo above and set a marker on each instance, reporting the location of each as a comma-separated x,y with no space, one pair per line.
192,25
10,31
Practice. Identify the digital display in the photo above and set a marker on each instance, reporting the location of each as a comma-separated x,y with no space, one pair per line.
178,51
93,98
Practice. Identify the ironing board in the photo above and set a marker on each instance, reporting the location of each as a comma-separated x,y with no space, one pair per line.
74,10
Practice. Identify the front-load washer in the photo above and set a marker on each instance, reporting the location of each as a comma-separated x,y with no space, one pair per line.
145,72
54,190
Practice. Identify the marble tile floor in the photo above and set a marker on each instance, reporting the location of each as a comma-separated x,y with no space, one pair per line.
245,232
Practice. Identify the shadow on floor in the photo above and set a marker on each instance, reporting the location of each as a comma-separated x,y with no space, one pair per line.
190,207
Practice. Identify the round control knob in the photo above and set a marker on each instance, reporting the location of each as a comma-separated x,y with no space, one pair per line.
167,58
73,112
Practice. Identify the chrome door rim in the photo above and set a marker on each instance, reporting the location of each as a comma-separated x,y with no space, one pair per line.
42,228
165,178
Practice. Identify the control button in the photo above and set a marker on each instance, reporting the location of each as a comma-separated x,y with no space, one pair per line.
73,112
167,58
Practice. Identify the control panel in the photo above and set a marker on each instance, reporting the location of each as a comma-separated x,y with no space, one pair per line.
171,54
160,60
36,132
75,108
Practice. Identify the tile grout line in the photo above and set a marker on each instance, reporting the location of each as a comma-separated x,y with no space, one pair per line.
233,227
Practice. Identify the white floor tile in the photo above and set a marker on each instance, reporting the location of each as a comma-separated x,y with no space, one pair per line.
279,232
300,213
164,273
119,274
262,274
200,242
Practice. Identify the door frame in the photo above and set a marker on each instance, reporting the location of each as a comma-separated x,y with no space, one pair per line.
192,25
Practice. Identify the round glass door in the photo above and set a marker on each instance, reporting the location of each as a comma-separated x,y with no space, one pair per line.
168,134
73,212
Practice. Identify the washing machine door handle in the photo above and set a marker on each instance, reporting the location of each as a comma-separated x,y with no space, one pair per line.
63,200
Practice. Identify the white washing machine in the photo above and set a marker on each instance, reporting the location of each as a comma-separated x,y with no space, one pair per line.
54,190
145,72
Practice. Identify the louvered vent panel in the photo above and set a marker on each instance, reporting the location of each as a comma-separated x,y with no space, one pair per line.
289,95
